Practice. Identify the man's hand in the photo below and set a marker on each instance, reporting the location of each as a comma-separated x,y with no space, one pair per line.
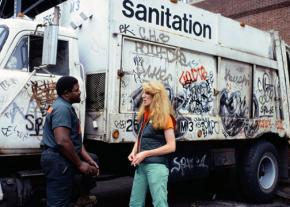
86,157
94,164
88,169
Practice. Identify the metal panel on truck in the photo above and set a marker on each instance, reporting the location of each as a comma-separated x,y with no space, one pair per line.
189,77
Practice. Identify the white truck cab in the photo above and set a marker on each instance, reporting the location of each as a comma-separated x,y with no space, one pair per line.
26,90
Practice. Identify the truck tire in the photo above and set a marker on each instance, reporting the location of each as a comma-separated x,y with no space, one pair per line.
259,172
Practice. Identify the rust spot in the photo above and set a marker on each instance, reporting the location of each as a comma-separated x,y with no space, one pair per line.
279,125
120,73
215,92
199,133
264,123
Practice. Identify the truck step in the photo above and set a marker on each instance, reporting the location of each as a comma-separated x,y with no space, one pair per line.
284,192
30,173
103,177
285,181
35,173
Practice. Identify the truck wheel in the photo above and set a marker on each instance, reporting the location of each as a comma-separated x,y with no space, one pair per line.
259,172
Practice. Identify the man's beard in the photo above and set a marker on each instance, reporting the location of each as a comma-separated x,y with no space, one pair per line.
77,100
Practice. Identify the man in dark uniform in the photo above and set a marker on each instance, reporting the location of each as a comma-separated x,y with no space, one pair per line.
64,155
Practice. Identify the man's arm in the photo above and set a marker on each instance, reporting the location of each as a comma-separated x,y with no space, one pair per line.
66,148
86,156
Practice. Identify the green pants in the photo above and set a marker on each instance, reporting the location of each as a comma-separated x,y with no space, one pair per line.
154,176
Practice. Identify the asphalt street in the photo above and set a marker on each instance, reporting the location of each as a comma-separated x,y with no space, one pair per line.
116,192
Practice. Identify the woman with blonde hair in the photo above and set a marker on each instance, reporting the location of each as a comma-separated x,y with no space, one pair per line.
155,141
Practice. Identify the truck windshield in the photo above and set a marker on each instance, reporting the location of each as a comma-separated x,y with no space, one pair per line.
3,35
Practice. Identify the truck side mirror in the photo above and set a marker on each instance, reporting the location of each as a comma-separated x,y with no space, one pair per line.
50,39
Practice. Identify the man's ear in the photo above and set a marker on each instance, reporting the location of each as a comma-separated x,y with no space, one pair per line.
65,92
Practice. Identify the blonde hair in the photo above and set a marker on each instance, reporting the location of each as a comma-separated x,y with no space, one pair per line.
160,108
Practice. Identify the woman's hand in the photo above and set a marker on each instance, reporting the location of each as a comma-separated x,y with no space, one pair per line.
131,156
169,147
139,158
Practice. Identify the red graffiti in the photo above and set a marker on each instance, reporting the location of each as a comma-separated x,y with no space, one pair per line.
192,75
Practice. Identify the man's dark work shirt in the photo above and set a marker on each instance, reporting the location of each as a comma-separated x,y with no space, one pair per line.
61,114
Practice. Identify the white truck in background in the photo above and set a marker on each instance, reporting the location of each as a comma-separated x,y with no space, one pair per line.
228,83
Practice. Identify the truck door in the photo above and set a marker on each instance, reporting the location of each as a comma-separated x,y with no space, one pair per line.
26,96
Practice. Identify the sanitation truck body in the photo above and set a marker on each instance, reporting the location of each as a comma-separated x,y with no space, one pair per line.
228,83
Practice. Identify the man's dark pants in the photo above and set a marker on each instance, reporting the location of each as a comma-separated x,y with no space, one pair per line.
60,175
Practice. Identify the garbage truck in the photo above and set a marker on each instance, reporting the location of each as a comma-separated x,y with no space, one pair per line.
228,83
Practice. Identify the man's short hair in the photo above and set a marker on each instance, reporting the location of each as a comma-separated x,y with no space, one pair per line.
65,83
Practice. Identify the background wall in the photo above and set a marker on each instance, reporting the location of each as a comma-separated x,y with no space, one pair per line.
263,14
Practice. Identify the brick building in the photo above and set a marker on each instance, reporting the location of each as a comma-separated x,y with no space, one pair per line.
263,14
